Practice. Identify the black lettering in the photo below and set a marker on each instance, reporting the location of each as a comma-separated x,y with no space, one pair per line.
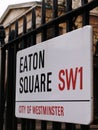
21,64
42,82
29,56
21,85
48,81
35,61
25,64
41,59
26,84
36,84
31,83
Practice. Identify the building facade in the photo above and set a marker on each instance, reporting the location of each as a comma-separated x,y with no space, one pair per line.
18,11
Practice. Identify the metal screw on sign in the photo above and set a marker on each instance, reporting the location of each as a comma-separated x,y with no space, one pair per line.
2,35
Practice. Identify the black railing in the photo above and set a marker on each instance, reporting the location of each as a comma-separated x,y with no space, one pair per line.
29,38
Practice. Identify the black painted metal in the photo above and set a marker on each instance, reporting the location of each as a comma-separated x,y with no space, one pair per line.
55,15
43,21
28,38
2,78
43,38
70,126
10,88
33,26
85,15
69,21
85,127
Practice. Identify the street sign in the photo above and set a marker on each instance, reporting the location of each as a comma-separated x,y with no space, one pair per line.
54,79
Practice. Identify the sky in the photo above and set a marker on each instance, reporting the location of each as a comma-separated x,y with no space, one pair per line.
4,4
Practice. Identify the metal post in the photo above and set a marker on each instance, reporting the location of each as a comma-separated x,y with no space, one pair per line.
85,127
69,21
2,104
85,15
2,35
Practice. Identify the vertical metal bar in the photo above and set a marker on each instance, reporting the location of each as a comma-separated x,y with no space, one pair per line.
24,31
85,127
14,78
55,8
23,44
69,28
70,126
2,76
10,84
95,80
43,20
33,42
55,14
2,86
44,37
69,21
2,36
85,16
33,23
56,126
16,29
24,24
28,124
33,125
43,125
23,124
33,26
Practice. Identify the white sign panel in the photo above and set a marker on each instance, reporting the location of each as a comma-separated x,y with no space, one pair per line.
54,79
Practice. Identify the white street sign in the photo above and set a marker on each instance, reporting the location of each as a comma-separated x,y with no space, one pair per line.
54,79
